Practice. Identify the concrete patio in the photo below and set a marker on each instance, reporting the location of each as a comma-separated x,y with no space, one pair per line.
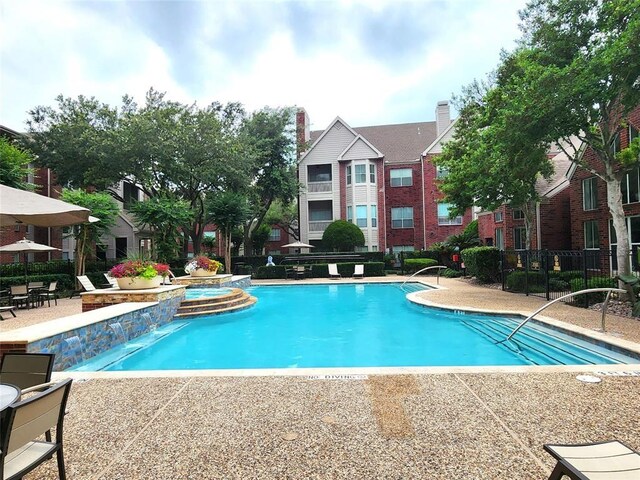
449,424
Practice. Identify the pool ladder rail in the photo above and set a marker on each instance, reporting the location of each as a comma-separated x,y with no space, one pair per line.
548,304
439,267
236,299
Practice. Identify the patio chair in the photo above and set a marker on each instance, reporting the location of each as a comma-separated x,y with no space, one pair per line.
25,421
333,271
605,460
50,293
20,295
358,271
25,370
86,284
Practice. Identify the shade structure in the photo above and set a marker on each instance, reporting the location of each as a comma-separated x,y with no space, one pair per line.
297,244
23,207
26,246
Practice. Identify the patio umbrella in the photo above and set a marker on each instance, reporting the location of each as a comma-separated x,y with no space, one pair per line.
21,206
26,246
297,244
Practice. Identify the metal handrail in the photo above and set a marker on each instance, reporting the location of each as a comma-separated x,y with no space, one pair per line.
440,267
548,304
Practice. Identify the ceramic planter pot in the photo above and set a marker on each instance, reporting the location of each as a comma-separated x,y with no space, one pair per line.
138,283
201,272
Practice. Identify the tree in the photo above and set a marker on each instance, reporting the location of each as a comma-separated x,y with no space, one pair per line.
270,139
285,216
167,217
79,141
14,166
88,234
342,236
490,160
259,237
227,210
576,72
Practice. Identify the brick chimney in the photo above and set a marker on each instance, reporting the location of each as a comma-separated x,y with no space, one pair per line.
303,130
443,116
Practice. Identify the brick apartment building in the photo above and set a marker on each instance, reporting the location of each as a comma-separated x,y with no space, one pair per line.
379,177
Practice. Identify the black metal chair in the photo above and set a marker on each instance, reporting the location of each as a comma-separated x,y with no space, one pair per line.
50,293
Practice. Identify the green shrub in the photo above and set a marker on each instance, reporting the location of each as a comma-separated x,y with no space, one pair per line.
517,281
451,273
415,264
482,263
566,275
557,285
342,236
577,284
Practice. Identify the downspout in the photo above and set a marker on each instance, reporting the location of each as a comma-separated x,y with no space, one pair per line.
49,195
424,216
384,206
538,232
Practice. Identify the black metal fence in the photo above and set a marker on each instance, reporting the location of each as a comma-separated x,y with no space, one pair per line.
554,273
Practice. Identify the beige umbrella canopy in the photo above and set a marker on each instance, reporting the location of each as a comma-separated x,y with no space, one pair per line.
26,246
297,244
20,206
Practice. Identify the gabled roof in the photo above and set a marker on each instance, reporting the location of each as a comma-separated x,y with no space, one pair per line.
438,141
360,139
316,136
563,169
398,143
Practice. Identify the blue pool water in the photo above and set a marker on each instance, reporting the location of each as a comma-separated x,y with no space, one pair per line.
346,325
202,292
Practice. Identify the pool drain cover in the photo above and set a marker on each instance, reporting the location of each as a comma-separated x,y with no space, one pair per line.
588,379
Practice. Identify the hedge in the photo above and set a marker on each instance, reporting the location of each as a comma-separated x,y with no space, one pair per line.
482,263
577,284
65,282
415,264
517,281
450,273
320,270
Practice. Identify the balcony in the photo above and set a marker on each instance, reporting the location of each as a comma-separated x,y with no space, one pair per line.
319,226
319,187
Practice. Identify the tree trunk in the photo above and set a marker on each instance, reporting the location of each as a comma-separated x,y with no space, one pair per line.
227,252
528,209
614,202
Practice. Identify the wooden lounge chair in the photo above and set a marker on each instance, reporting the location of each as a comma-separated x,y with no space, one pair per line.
358,271
610,460
333,271
22,449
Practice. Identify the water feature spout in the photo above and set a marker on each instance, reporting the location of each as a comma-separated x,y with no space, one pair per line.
74,344
119,331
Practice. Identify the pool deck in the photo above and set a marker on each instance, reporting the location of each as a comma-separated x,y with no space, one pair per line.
478,423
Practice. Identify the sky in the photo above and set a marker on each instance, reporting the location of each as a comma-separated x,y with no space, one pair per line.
370,62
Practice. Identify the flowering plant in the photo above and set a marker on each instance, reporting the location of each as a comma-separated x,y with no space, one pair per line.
203,262
139,268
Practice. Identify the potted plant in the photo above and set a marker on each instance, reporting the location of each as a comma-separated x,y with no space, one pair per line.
139,274
202,266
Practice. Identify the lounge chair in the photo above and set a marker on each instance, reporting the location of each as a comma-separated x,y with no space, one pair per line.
86,284
112,281
24,422
49,293
333,271
597,461
358,271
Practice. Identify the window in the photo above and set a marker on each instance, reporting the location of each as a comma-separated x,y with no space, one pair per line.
361,215
349,214
372,173
374,216
631,186
499,239
129,194
633,227
401,177
518,214
319,173
591,238
361,173
402,217
497,216
520,238
443,215
589,194
274,235
441,172
349,175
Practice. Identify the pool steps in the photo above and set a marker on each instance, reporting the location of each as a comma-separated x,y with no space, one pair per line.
536,346
237,299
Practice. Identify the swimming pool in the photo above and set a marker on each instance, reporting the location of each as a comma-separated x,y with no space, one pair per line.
346,325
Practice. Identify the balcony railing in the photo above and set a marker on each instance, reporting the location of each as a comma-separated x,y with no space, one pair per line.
319,226
317,187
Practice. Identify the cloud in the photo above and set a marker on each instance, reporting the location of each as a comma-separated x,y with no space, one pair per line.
370,62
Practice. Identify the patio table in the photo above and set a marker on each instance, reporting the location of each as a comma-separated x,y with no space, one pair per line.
8,394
